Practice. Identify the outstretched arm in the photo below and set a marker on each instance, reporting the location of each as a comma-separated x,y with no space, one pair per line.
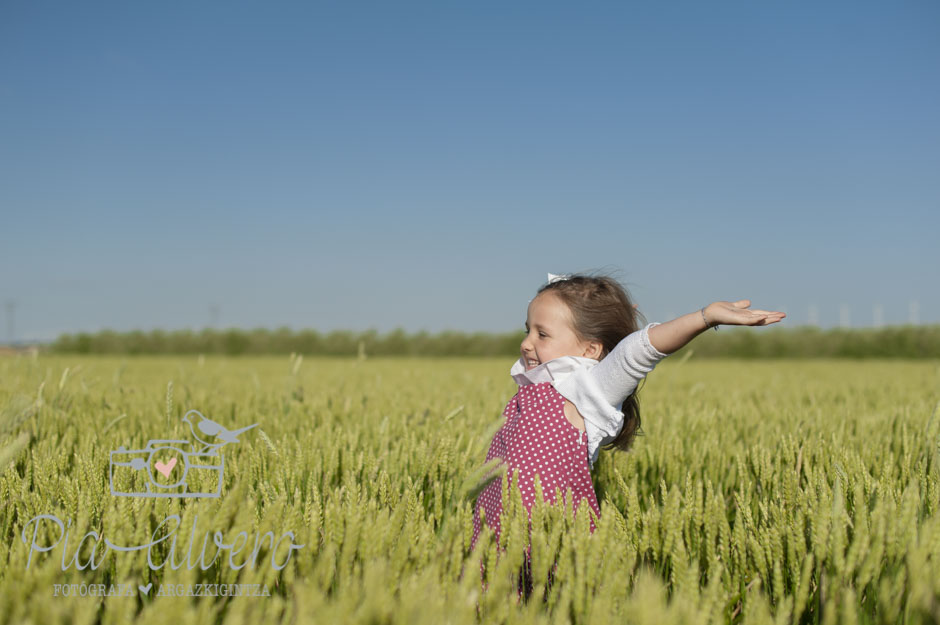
672,335
619,373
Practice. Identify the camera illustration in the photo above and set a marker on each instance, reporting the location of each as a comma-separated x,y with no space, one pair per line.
175,468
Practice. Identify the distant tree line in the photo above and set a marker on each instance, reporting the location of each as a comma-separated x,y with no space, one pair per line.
235,342
906,341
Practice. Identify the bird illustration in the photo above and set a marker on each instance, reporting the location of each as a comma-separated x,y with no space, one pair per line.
211,428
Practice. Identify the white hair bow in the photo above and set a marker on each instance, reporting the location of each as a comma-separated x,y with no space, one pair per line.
555,278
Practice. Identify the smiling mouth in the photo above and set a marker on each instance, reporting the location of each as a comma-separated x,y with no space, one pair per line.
531,363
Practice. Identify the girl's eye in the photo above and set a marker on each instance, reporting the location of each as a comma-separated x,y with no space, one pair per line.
542,334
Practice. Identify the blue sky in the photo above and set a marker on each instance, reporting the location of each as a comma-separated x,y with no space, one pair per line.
424,165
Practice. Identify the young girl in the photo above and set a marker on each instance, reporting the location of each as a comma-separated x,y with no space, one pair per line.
581,361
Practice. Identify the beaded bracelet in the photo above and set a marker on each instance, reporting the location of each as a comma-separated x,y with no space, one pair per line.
706,320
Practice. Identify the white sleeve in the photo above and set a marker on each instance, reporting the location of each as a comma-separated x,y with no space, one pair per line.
620,372
598,392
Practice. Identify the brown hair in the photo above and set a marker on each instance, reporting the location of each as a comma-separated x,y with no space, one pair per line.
601,311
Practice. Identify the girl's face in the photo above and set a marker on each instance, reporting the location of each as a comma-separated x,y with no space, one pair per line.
551,335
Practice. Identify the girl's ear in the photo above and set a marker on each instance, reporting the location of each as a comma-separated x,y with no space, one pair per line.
594,350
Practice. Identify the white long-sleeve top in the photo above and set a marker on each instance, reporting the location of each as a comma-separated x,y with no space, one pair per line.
598,388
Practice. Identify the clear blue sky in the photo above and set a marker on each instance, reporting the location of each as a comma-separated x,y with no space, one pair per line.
424,165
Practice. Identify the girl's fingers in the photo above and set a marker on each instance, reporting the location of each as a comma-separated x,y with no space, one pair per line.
748,316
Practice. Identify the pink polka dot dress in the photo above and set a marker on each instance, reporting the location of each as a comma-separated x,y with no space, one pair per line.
537,438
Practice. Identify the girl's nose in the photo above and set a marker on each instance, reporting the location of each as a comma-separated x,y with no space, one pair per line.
526,345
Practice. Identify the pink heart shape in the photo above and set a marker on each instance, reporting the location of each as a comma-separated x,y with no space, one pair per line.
165,468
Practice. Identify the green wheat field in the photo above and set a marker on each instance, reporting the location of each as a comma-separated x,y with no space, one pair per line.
772,491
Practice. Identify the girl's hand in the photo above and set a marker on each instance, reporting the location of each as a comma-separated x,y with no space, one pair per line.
738,314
